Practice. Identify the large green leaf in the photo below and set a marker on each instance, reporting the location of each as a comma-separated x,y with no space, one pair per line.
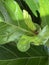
36,55
44,11
9,33
13,15
13,25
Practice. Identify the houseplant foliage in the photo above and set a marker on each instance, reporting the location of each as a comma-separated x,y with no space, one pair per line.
22,41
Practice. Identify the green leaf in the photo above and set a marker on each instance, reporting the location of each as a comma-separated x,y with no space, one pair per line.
44,12
11,29
44,34
16,24
24,43
9,33
9,55
33,5
47,44
41,39
4,13
13,15
1,17
28,21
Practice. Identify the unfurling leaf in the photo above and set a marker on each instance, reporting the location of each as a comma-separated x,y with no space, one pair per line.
24,43
28,20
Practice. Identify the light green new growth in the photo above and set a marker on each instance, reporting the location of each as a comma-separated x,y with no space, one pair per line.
25,41
28,20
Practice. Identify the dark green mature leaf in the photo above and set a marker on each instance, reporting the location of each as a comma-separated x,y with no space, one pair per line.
33,5
9,55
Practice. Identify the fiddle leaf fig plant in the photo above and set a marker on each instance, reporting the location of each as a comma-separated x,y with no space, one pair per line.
18,31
